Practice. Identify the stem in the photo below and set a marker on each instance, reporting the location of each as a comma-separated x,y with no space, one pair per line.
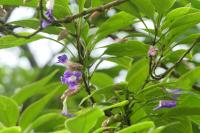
179,61
82,61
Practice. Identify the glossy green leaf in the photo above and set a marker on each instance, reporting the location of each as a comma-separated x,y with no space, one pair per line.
137,75
163,5
86,121
143,126
32,89
9,111
130,48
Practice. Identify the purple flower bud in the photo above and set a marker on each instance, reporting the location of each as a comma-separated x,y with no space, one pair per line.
152,51
62,59
50,18
166,104
49,15
72,79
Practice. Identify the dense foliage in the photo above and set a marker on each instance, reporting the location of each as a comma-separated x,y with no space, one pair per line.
160,93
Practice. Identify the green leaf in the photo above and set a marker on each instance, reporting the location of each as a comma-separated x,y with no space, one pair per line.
129,8
195,3
106,92
183,111
11,41
101,80
42,123
137,74
188,79
175,14
125,62
130,48
189,39
173,56
32,89
163,5
157,130
143,126
116,22
34,24
86,121
11,130
34,109
116,105
192,18
9,111
96,3
145,6
62,131
32,3
81,4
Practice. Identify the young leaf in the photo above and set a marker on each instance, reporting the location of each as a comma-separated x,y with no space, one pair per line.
143,126
85,121
137,74
32,89
9,111
163,5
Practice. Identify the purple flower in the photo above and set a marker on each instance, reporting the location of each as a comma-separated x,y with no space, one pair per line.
175,92
152,51
72,79
45,23
50,18
62,59
67,114
166,104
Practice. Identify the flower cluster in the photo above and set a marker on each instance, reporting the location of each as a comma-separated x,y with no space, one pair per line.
71,77
169,103
48,14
